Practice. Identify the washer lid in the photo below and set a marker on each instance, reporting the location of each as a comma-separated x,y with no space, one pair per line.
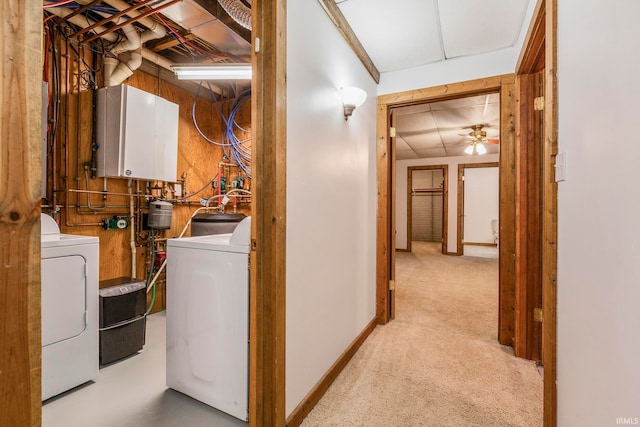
213,242
242,234
49,229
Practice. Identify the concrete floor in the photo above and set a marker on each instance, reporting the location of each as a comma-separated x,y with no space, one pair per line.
133,393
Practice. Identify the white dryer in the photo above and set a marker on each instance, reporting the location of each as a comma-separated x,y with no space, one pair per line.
208,318
69,298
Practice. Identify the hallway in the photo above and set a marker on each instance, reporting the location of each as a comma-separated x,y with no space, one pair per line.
438,363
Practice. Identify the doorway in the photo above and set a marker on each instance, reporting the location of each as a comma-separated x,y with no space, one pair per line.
427,201
478,216
504,87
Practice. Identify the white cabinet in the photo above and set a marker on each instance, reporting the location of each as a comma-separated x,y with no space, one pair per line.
137,134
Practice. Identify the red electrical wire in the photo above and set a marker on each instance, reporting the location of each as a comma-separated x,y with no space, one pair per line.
44,21
60,3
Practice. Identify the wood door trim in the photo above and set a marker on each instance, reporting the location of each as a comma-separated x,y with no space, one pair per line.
550,217
445,201
268,209
20,145
460,215
505,85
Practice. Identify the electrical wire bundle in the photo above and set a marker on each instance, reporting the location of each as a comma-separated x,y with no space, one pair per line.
235,150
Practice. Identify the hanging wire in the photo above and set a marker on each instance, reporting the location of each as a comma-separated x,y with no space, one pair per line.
56,4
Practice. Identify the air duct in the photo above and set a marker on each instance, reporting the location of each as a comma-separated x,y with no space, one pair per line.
238,11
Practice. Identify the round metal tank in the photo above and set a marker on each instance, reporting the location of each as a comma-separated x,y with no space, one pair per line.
160,215
217,223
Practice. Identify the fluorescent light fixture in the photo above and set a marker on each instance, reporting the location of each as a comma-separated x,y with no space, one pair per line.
213,72
352,97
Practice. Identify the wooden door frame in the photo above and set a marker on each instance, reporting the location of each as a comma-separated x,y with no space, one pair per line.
445,203
20,155
505,85
542,40
460,216
268,208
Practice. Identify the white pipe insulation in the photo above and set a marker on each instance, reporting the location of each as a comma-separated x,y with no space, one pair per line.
118,70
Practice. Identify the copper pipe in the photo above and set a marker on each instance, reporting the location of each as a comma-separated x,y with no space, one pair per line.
111,18
82,9
130,21
105,193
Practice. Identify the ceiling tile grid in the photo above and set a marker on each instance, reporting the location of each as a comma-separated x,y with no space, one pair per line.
403,34
441,129
471,27
396,34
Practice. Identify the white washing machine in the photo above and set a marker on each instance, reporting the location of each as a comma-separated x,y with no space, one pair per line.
69,298
208,318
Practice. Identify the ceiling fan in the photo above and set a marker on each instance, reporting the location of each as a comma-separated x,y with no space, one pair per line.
478,138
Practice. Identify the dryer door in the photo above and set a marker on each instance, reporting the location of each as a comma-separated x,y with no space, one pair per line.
63,298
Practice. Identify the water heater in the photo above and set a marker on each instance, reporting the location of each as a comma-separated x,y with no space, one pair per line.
137,134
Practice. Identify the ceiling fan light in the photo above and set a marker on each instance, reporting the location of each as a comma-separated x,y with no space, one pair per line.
480,148
469,149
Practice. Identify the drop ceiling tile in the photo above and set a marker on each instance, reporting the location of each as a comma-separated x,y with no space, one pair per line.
463,118
401,144
431,152
428,140
396,35
470,27
455,137
406,154
413,109
415,123
470,101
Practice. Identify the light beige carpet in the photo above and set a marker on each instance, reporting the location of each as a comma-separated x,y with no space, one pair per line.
438,363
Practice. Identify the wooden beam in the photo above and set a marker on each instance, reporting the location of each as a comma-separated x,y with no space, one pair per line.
343,26
449,91
507,207
20,147
268,209
382,219
550,217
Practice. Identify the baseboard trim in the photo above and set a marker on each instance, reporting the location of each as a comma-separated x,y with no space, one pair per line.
402,250
316,393
480,244
453,253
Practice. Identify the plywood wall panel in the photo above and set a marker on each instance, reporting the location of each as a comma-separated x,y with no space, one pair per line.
197,165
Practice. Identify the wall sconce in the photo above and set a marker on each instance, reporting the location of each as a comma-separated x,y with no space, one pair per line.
352,97
213,71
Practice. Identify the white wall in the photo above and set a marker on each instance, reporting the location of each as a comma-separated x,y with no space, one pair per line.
401,194
480,204
598,206
331,199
